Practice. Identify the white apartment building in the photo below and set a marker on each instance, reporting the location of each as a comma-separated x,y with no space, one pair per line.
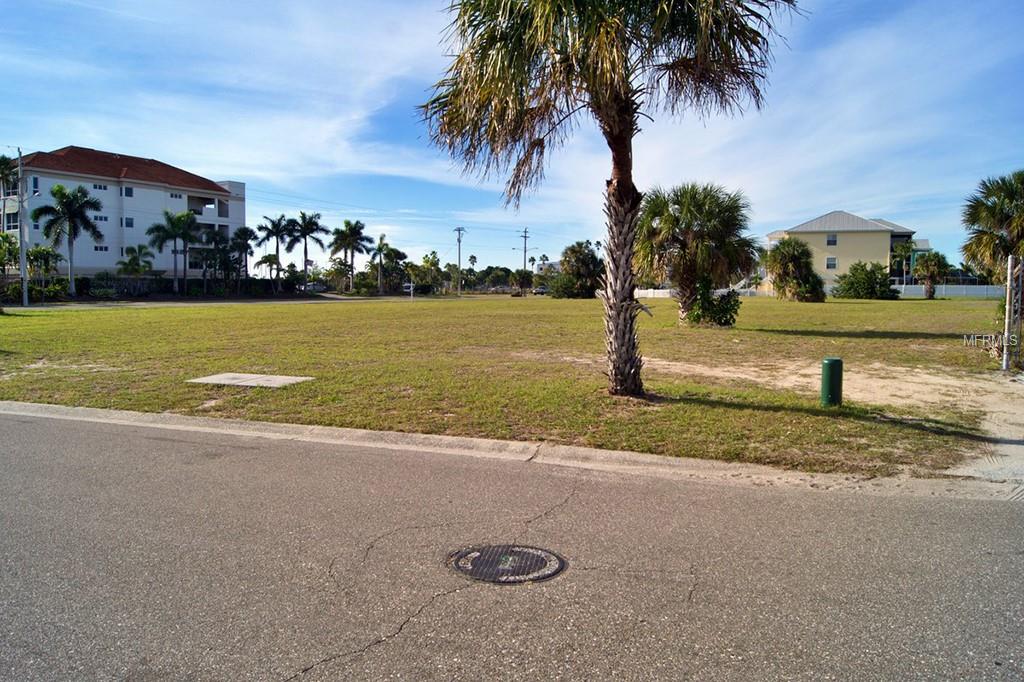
134,192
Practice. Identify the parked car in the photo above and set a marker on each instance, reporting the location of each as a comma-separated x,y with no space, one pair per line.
540,291
316,287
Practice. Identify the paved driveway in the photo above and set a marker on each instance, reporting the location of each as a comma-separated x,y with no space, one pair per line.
144,554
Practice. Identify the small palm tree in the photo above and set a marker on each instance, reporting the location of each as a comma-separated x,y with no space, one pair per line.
524,73
790,263
271,262
240,246
279,230
994,217
175,227
302,230
472,261
137,261
42,262
9,253
380,252
932,268
696,235
67,218
902,253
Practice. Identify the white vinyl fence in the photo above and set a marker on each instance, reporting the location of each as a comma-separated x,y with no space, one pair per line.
906,291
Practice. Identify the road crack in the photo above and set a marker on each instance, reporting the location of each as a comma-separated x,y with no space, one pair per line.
382,639
547,512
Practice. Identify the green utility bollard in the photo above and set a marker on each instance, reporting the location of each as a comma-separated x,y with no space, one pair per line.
831,382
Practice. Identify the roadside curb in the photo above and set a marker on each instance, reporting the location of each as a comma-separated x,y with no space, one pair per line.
542,453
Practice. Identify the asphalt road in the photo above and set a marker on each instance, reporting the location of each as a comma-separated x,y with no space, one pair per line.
140,554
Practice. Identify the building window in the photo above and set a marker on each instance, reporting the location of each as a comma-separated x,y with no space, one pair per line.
35,226
100,219
128,222
175,195
127,191
122,252
101,188
35,184
830,263
832,239
101,248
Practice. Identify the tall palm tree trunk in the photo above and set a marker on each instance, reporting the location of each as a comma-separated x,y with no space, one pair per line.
174,258
277,271
71,267
622,211
351,271
380,276
305,264
184,268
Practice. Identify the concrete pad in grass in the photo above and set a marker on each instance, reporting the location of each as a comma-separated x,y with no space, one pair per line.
264,380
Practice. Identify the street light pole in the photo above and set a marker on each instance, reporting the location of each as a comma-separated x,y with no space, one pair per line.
22,231
460,231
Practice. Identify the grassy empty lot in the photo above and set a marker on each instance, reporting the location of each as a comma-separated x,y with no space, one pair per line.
509,368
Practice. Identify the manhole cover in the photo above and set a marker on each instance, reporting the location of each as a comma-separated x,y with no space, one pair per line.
507,564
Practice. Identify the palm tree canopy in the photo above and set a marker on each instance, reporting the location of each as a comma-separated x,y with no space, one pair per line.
175,227
695,232
307,226
274,229
68,216
242,240
932,266
525,72
8,172
380,249
994,217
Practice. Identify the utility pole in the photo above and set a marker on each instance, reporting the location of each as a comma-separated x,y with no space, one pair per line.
525,235
22,231
460,231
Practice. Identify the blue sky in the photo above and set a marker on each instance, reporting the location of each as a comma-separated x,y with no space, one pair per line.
887,109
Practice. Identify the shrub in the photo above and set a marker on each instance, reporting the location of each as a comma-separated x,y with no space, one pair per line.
866,281
713,309
57,290
812,290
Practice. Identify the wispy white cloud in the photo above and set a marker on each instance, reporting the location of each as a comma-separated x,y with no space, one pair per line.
887,109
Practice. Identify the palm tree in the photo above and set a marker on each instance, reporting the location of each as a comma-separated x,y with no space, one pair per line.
339,244
8,180
790,263
932,268
269,261
8,252
379,253
175,227
349,241
67,218
42,262
903,252
994,217
472,261
240,246
137,261
696,235
307,227
279,230
524,73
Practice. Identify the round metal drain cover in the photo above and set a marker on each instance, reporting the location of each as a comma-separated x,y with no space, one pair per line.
507,564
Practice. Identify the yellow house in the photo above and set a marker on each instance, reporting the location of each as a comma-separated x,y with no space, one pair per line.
840,239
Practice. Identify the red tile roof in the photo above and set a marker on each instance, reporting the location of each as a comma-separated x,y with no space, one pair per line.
81,160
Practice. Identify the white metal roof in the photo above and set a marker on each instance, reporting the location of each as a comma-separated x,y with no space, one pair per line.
897,229
843,221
